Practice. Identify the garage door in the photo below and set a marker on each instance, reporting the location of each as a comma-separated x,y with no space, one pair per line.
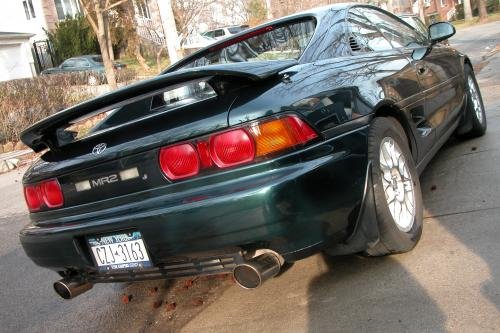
13,62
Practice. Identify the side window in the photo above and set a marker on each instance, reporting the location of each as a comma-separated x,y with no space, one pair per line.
69,63
219,33
81,63
398,33
364,36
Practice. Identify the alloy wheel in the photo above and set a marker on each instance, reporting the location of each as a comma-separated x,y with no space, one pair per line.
397,184
475,99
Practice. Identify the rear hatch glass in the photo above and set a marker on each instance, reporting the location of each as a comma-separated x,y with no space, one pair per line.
283,42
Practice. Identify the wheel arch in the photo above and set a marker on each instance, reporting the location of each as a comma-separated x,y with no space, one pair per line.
387,109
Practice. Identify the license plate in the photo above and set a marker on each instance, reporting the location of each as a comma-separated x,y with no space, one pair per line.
120,251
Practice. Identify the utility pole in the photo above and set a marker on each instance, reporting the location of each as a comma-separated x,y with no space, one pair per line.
170,29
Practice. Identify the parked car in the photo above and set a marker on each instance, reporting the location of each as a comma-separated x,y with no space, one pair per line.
90,66
224,32
305,134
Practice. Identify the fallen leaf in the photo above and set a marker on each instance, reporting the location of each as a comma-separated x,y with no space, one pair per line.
170,306
197,301
126,298
152,290
188,283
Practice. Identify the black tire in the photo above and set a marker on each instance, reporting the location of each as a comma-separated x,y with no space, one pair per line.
472,126
392,238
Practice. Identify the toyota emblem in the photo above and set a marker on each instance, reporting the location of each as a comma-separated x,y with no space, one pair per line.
98,149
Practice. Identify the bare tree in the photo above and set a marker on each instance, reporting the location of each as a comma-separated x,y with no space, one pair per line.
483,13
467,10
97,14
187,13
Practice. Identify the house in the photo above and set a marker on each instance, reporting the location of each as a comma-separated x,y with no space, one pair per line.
21,22
23,45
439,10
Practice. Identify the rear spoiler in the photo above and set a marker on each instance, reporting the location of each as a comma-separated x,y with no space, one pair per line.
42,134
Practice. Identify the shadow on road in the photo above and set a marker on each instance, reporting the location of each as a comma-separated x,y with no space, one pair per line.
370,294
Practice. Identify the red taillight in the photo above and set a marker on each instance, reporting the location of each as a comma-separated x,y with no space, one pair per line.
232,148
33,198
52,193
47,193
300,129
238,146
179,161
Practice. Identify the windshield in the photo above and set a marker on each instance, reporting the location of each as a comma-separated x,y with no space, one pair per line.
97,59
283,42
235,30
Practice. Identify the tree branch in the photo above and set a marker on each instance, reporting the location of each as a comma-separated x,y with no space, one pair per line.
89,17
113,5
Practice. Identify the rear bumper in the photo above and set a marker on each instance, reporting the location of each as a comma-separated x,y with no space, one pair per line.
295,206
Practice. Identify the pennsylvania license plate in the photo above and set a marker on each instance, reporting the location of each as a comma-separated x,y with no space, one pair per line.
120,251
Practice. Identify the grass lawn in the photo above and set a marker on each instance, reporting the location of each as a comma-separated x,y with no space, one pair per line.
475,20
133,64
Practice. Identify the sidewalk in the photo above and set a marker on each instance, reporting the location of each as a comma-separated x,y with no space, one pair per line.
489,82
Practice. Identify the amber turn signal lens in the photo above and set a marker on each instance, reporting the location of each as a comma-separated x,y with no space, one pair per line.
279,134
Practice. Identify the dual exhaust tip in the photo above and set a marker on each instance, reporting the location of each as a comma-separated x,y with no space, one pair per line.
69,289
254,272
250,274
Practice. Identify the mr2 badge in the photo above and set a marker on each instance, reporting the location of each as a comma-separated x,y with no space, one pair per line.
106,180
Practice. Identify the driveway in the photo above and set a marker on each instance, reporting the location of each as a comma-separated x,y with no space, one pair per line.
450,282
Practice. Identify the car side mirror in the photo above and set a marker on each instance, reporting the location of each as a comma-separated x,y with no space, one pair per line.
441,31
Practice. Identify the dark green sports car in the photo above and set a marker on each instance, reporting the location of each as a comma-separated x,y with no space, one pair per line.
304,134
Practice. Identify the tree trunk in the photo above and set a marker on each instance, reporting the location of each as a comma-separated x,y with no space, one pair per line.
109,41
158,58
103,44
483,14
467,10
139,57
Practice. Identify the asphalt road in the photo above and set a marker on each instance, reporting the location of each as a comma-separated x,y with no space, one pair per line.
450,282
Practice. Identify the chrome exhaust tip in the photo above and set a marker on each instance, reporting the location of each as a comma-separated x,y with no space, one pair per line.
69,289
254,272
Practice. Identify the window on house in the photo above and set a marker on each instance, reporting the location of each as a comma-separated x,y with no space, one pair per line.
26,11
66,8
32,9
143,8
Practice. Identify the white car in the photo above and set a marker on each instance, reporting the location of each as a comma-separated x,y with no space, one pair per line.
221,33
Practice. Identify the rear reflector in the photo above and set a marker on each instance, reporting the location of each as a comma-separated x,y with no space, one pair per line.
235,147
179,161
232,148
47,193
